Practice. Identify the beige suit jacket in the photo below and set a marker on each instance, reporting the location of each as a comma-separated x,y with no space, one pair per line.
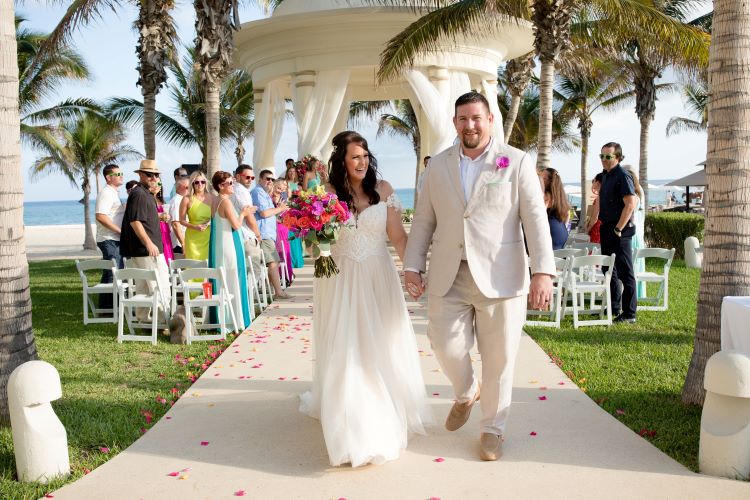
488,226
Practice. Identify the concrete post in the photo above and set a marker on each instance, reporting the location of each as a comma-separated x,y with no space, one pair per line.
39,438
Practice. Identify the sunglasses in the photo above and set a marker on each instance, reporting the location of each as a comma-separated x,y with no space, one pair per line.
196,183
607,157
250,177
118,174
269,179
151,175
229,182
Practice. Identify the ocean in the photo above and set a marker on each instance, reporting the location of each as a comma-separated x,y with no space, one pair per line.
57,213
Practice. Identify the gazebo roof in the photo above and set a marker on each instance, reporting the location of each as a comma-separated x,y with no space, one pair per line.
305,6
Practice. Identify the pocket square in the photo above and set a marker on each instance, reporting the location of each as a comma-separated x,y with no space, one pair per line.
496,183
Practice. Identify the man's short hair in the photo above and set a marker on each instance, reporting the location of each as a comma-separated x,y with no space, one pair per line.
177,171
241,168
617,148
472,97
108,169
289,160
130,185
265,172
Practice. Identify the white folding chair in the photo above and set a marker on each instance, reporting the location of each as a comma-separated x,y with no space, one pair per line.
591,248
131,303
100,315
177,265
661,300
582,279
265,282
281,249
565,253
555,312
221,299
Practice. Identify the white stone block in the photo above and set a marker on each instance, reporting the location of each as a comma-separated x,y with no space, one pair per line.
39,438
693,253
725,423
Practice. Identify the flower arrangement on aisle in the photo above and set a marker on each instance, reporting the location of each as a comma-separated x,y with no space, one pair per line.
316,216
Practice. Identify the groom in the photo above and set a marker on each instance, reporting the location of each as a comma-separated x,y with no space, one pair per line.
479,200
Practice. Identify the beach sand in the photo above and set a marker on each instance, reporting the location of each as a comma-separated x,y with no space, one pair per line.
58,242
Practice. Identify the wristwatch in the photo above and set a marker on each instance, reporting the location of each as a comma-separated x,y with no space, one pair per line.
618,231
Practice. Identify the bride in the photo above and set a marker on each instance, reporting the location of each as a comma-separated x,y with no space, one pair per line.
368,390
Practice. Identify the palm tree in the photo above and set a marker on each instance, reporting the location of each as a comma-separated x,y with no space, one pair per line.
581,94
156,47
517,75
695,96
725,270
16,335
551,20
187,94
403,123
80,149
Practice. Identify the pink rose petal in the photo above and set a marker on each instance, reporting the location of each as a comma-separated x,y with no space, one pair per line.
173,474
240,493
542,398
104,449
439,460
620,412
532,433
204,443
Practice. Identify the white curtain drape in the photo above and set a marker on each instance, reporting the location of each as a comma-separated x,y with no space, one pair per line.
437,104
339,125
489,90
316,108
269,122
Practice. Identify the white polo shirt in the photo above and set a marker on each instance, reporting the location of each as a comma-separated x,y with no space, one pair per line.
108,203
174,214
241,199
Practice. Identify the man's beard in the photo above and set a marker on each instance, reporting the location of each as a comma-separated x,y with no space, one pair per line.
471,141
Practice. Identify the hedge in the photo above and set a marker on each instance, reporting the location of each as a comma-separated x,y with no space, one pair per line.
669,230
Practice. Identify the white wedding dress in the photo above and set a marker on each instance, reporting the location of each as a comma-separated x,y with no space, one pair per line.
368,391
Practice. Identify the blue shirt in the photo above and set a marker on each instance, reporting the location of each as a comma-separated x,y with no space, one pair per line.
267,225
616,184
559,232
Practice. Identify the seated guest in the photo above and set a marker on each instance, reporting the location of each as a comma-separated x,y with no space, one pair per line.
266,217
558,210
592,217
140,240
109,211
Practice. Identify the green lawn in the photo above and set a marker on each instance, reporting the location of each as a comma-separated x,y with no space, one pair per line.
110,391
636,372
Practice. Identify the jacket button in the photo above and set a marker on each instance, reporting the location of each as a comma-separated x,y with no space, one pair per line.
460,245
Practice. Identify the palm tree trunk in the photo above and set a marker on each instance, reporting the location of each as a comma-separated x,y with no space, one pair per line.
239,151
643,162
89,243
149,125
584,177
510,119
213,146
16,336
546,82
726,258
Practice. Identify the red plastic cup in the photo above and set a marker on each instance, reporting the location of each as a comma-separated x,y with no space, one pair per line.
207,290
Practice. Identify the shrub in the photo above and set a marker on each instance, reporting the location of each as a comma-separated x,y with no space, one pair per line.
669,230
407,215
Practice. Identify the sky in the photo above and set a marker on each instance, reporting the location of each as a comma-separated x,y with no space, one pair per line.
108,46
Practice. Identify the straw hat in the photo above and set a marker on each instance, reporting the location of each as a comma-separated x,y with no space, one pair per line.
148,167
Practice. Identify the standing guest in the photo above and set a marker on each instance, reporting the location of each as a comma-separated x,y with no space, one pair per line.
558,210
195,215
289,163
179,174
266,217
177,230
243,205
592,218
130,185
295,244
279,196
638,241
617,202
420,181
166,237
226,249
311,177
109,212
140,240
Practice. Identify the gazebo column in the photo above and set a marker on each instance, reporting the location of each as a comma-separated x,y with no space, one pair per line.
317,98
489,90
270,110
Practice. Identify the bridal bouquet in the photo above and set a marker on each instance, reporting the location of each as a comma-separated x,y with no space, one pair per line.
316,216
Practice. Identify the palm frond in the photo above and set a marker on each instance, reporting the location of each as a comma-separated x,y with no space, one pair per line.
361,110
70,109
679,124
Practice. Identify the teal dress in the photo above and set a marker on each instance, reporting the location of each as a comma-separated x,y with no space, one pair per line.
312,183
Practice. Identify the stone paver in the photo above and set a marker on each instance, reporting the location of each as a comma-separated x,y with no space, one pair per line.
238,430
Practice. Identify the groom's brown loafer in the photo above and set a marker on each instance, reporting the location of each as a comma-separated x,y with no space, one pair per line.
459,413
490,446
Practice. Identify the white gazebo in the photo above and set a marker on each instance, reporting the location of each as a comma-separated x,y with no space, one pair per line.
324,54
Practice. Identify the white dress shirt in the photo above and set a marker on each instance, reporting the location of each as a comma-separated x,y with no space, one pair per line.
241,199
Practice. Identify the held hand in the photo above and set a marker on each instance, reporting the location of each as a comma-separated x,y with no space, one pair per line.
153,250
202,227
414,284
540,291
282,206
257,235
250,209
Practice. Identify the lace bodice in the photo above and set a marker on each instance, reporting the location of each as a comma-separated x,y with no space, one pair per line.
364,236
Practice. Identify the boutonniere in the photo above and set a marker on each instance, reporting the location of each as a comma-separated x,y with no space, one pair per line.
502,162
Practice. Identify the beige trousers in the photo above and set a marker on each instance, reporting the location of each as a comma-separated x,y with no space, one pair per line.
459,317
162,277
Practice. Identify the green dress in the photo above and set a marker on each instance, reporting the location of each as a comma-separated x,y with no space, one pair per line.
196,242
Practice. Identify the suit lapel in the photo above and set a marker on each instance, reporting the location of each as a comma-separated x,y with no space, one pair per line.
454,174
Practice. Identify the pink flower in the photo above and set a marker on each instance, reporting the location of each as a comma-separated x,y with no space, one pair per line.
502,162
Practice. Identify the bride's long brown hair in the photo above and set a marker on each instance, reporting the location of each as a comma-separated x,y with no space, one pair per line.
337,169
